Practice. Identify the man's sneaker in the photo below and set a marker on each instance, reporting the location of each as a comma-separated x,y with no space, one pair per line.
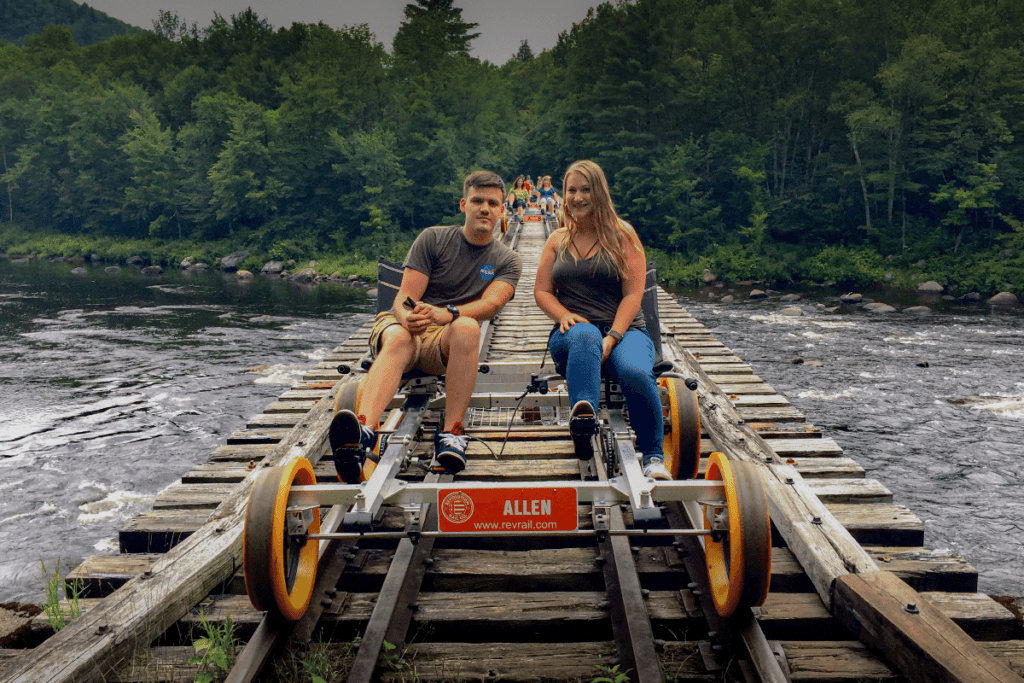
450,449
583,427
349,441
654,468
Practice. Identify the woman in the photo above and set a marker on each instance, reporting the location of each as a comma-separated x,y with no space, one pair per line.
518,195
590,281
548,195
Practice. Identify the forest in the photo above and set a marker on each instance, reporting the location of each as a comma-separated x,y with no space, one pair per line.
826,141
22,18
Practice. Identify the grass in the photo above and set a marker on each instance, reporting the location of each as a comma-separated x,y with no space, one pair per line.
55,614
345,260
215,653
318,663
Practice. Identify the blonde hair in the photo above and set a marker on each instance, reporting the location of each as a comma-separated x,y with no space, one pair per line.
614,235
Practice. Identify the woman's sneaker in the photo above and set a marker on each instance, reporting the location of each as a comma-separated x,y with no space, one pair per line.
654,468
582,427
450,449
349,440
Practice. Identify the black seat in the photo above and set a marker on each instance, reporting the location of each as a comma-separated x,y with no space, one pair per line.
389,280
649,306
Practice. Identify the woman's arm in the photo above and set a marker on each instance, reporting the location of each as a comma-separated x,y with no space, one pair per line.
633,282
544,286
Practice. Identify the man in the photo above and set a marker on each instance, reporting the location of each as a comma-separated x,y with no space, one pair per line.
454,278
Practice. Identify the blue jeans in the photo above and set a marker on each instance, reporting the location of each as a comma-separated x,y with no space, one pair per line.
629,364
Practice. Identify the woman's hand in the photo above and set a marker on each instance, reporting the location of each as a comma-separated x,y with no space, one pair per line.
607,344
570,319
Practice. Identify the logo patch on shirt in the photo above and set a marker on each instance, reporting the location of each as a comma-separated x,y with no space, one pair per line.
487,272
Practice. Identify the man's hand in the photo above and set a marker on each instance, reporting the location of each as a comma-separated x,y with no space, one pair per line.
423,315
415,322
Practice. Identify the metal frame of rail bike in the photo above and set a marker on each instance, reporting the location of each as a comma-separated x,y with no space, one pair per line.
282,526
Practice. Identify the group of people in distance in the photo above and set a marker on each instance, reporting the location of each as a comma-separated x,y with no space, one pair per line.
590,281
545,195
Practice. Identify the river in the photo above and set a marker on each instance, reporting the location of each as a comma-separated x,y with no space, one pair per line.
115,385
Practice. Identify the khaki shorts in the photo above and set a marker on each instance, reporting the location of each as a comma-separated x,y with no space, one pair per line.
426,357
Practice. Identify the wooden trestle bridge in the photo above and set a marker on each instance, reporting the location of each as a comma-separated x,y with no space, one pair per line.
854,594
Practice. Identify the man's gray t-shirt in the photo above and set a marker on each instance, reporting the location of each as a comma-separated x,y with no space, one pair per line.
459,270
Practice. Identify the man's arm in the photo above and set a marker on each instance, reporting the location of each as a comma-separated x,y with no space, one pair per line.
494,298
414,284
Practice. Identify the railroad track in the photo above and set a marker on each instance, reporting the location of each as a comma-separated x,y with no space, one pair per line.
559,608
396,617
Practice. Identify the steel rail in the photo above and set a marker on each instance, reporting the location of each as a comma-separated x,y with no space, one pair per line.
396,602
723,633
333,559
631,625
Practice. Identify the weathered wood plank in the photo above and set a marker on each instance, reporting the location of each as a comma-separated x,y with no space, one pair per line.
732,378
100,575
784,430
804,448
881,524
144,607
300,407
808,661
771,414
241,452
274,421
257,436
758,400
914,634
927,570
748,388
157,531
185,496
234,472
849,490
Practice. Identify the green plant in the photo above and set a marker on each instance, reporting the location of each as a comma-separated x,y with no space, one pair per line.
317,665
215,653
52,608
397,668
611,674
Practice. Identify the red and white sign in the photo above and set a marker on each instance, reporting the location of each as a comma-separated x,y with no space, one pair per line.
507,510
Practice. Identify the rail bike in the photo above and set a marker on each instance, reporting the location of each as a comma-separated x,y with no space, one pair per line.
727,508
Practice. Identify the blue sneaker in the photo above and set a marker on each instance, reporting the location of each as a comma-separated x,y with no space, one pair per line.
450,449
349,441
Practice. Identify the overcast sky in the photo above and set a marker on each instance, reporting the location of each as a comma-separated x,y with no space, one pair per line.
503,24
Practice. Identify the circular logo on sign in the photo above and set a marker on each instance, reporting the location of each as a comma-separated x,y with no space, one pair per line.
457,507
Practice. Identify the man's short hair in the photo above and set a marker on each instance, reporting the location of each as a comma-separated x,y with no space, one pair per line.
479,179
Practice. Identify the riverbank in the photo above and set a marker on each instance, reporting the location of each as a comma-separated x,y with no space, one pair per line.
968,277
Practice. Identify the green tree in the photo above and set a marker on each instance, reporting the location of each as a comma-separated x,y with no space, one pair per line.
154,196
246,193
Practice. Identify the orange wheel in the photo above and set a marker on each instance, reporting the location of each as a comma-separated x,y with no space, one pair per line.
349,395
682,433
279,571
740,562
